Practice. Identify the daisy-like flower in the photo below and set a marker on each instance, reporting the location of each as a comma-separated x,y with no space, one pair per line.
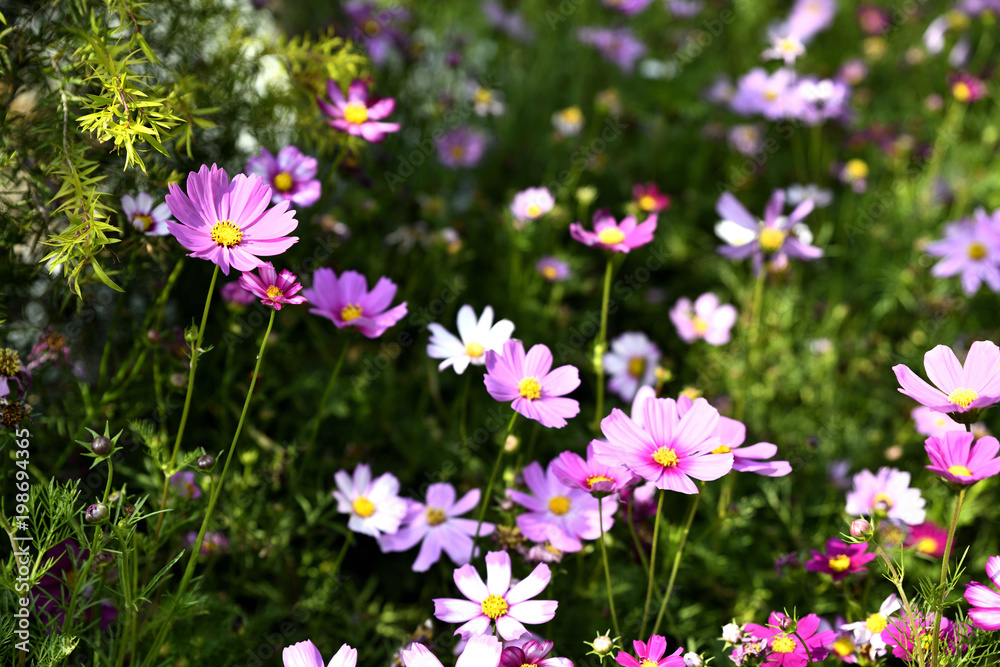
618,46
928,539
271,288
984,602
887,493
355,115
474,340
855,173
901,634
185,483
461,147
631,363
955,459
706,319
809,17
958,388
346,301
532,204
568,122
552,269
666,449
840,559
970,248
12,371
229,224
496,600
213,543
559,514
526,379
589,474
648,198
150,220
532,654
784,47
305,654
867,634
786,647
480,651
610,235
930,423
652,654
771,95
966,88
374,505
437,525
775,237
291,175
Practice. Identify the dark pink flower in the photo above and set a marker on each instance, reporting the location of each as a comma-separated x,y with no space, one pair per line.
354,115
651,654
648,197
531,654
957,460
347,302
610,235
272,289
786,649
840,559
928,539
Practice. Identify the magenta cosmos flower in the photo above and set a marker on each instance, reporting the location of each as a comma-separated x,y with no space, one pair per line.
150,220
930,423
496,601
651,654
557,513
374,505
970,248
902,632
229,224
291,175
631,363
526,380
481,651
786,648
776,237
589,474
840,559
648,198
955,459
532,654
984,602
346,301
354,115
887,493
305,654
706,319
957,388
272,289
928,539
666,449
437,525
611,235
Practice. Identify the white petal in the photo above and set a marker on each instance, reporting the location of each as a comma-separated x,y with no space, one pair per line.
734,234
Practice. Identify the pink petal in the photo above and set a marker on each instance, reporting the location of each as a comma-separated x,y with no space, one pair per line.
470,583
534,611
943,368
509,627
451,610
531,585
497,572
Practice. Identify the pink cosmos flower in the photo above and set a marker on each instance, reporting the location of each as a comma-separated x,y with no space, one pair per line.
461,147
374,505
144,217
532,204
705,320
631,363
305,654
186,483
966,88
771,95
589,474
957,388
955,459
347,302
354,115
927,538
213,543
480,651
786,648
732,434
887,493
526,380
651,654
611,235
235,295
272,289
557,513
552,269
901,634
840,559
226,223
930,423
648,198
496,601
809,17
618,46
984,602
437,526
776,237
532,654
666,449
291,175
970,248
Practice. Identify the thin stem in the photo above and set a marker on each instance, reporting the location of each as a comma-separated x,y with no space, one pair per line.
936,636
489,487
463,413
318,419
601,343
635,537
677,560
107,487
607,571
652,564
343,552
907,609
805,646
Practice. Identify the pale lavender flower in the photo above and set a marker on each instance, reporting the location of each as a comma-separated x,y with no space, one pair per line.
552,269
631,363
374,505
150,220
888,493
809,17
706,319
618,46
511,23
291,175
821,100
627,7
461,147
776,237
771,95
532,204
970,248
747,138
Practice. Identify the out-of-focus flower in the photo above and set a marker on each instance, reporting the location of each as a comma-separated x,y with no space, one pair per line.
840,559
971,248
589,474
532,204
461,147
486,101
214,542
627,7
821,100
618,46
796,194
611,235
235,295
510,22
855,174
930,423
291,175
185,481
957,460
984,602
747,138
784,47
569,121
271,288
631,363
651,654
552,269
901,635
786,647
475,338
648,198
771,95
50,345
873,20
853,72
888,494
347,302
809,17
532,654
150,220
684,8
927,538
375,29
526,379
704,320
358,115
374,505
959,388
776,237
966,88
57,586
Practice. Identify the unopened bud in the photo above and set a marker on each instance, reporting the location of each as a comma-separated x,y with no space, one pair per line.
206,462
102,446
114,498
129,510
731,633
178,379
105,558
603,645
191,334
510,444
787,624
96,513
860,528
692,659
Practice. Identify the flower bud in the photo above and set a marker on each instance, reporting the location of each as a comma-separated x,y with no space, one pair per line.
105,558
102,446
787,624
128,510
510,444
732,633
114,498
603,645
860,528
96,513
178,379
191,334
206,462
692,659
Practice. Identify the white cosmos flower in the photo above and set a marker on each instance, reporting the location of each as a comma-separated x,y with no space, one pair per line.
481,651
305,654
474,340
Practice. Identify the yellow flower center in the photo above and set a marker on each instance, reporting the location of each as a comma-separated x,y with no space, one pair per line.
351,311
839,563
647,202
534,210
960,471
927,545
771,95
559,505
856,169
571,115
636,366
147,221
700,324
882,502
483,96
876,623
494,606
474,350
363,507
691,393
226,234
648,663
957,20
10,362
457,152
436,516
550,272
666,457
529,388
721,449
963,398
771,239
843,647
273,292
283,181
355,113
783,644
977,250
961,91
594,479
610,236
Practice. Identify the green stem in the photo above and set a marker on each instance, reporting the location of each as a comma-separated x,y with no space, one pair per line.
464,411
805,646
936,631
601,342
489,487
318,419
107,486
635,537
907,609
652,564
607,571
677,560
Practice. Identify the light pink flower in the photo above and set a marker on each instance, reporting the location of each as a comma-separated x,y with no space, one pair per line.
354,115
984,602
705,320
480,651
374,505
958,388
589,474
611,235
536,391
888,493
305,654
347,302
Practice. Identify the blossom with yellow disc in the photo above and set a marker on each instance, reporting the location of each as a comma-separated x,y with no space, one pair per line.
475,338
529,382
612,235
271,288
347,302
291,175
957,460
374,505
358,115
840,559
